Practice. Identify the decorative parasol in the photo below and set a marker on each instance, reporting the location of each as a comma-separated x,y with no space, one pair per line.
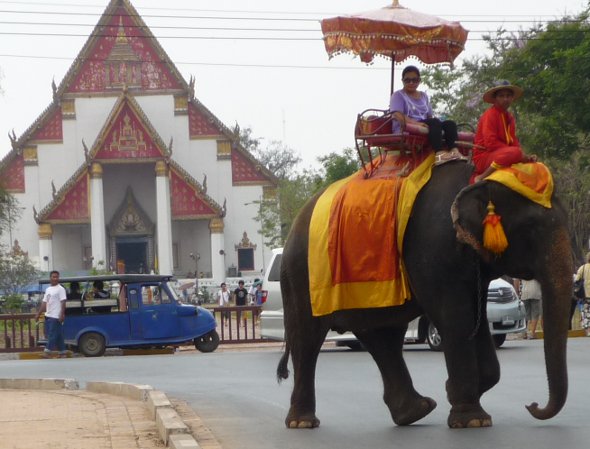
394,32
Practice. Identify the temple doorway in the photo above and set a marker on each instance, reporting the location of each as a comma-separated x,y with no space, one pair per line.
132,255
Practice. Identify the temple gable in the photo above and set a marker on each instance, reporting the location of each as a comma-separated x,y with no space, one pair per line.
122,52
70,204
128,135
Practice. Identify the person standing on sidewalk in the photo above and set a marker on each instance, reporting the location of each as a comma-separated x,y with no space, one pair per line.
54,306
530,293
584,273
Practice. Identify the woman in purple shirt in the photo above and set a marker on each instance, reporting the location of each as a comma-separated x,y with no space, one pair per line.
409,105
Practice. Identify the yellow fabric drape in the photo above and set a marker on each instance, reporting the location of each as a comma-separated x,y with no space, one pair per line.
382,286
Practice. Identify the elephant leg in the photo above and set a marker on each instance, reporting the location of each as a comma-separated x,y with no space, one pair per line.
487,360
465,384
304,353
405,404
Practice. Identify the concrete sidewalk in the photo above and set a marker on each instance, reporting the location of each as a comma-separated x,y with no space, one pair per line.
54,413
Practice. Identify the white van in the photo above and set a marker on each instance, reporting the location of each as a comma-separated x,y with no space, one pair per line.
271,317
506,313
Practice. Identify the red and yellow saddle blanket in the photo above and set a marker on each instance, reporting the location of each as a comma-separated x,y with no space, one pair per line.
356,236
533,180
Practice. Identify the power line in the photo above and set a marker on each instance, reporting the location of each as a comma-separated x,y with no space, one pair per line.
213,64
509,18
175,27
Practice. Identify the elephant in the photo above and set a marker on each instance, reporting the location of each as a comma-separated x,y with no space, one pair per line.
445,227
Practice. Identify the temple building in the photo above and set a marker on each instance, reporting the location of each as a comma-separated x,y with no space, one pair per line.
127,171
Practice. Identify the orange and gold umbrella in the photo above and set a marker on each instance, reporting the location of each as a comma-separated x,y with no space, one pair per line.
394,32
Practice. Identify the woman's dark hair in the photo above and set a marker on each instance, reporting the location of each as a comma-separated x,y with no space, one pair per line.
411,68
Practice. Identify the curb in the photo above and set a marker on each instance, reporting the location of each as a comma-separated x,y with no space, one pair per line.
172,430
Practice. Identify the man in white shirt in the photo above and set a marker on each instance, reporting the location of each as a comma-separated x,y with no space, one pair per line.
223,296
54,306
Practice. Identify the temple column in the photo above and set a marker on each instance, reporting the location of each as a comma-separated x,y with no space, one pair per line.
45,233
97,224
164,218
217,250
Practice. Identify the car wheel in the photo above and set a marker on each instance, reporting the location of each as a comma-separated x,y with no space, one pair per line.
499,339
92,344
207,342
433,338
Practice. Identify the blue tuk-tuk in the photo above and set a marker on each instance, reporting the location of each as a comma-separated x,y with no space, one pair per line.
132,311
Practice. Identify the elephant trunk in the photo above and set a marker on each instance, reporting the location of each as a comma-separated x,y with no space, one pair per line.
556,286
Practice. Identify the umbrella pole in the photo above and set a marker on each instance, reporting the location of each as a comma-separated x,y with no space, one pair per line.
392,72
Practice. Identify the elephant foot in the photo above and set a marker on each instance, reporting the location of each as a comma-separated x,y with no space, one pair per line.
305,421
412,413
462,417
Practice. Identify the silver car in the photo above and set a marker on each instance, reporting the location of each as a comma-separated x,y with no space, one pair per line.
506,313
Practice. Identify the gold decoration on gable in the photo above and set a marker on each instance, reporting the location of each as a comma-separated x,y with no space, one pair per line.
245,243
161,168
223,149
127,138
96,170
68,109
180,105
216,225
30,155
45,231
122,66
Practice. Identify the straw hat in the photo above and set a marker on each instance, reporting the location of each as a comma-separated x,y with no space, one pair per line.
489,94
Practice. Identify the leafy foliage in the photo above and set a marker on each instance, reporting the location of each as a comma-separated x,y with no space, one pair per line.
16,271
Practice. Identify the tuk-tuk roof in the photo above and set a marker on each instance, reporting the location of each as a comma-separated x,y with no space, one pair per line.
127,278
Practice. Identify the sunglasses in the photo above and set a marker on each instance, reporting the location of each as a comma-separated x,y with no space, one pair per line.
411,80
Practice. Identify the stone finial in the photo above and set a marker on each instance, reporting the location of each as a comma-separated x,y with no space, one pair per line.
223,208
170,145
53,189
204,182
191,87
86,152
54,90
35,215
13,139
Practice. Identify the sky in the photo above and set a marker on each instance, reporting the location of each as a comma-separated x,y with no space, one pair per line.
276,79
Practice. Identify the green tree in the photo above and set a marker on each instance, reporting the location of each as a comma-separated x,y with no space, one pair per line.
16,271
9,211
339,165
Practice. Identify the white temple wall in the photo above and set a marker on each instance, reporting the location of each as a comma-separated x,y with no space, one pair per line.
68,245
89,113
200,157
55,164
160,111
242,209
190,236
25,230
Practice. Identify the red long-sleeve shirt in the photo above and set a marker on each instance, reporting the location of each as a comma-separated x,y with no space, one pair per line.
496,129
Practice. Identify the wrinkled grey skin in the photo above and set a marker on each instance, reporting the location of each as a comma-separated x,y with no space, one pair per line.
449,273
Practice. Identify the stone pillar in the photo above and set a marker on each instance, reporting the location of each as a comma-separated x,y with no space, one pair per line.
217,250
97,224
164,219
45,233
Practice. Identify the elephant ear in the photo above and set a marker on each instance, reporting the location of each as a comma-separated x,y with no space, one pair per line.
468,212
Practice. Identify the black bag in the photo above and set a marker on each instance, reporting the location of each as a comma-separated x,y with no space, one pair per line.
579,291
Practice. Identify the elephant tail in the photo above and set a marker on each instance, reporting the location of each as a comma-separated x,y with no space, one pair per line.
282,368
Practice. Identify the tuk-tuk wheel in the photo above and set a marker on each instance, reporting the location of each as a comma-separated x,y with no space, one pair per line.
92,344
207,342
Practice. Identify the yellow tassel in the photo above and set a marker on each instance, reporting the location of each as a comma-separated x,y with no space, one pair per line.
494,238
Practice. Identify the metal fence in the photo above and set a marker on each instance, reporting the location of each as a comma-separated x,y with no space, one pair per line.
18,333
238,324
